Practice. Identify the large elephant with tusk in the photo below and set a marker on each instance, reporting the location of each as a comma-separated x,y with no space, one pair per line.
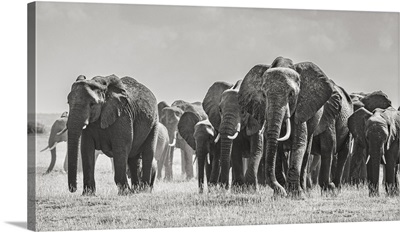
291,94
241,135
169,117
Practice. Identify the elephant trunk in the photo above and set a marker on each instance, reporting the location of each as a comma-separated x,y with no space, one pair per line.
201,156
373,168
275,118
226,149
53,159
75,126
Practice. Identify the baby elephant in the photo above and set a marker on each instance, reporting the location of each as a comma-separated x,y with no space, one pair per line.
378,132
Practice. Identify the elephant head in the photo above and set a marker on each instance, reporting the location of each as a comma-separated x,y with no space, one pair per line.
99,102
283,92
170,118
375,133
200,135
55,138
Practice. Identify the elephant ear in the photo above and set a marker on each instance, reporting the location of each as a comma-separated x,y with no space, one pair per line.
356,123
315,90
186,127
211,102
160,106
115,100
251,95
377,99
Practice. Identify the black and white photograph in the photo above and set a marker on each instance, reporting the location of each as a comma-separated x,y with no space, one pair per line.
144,116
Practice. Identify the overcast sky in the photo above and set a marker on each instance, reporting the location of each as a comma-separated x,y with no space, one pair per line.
178,52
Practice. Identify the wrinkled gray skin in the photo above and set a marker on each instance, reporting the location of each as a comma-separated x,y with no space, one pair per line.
357,169
117,116
170,116
239,135
332,138
200,135
57,137
162,152
266,93
378,133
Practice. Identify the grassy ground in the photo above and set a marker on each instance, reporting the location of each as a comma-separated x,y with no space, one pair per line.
178,204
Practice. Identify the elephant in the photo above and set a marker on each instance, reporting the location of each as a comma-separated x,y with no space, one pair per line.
117,116
201,137
378,134
294,94
332,138
239,132
55,138
170,116
357,170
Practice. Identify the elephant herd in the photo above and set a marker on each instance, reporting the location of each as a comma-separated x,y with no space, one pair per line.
285,125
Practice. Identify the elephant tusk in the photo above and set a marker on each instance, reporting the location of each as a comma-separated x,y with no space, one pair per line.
62,131
366,162
261,131
351,146
173,141
208,159
217,139
54,145
288,126
236,133
44,149
84,127
233,136
383,159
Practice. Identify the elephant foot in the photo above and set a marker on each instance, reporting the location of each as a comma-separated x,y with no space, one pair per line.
373,194
279,192
392,191
89,191
295,192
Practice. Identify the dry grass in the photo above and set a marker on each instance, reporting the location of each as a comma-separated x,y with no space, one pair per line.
178,204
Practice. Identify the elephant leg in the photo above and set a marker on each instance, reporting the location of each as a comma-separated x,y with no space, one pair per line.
315,167
183,162
391,183
134,167
168,168
261,172
188,162
65,166
215,170
341,160
304,164
88,164
237,170
328,139
147,159
279,170
298,148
